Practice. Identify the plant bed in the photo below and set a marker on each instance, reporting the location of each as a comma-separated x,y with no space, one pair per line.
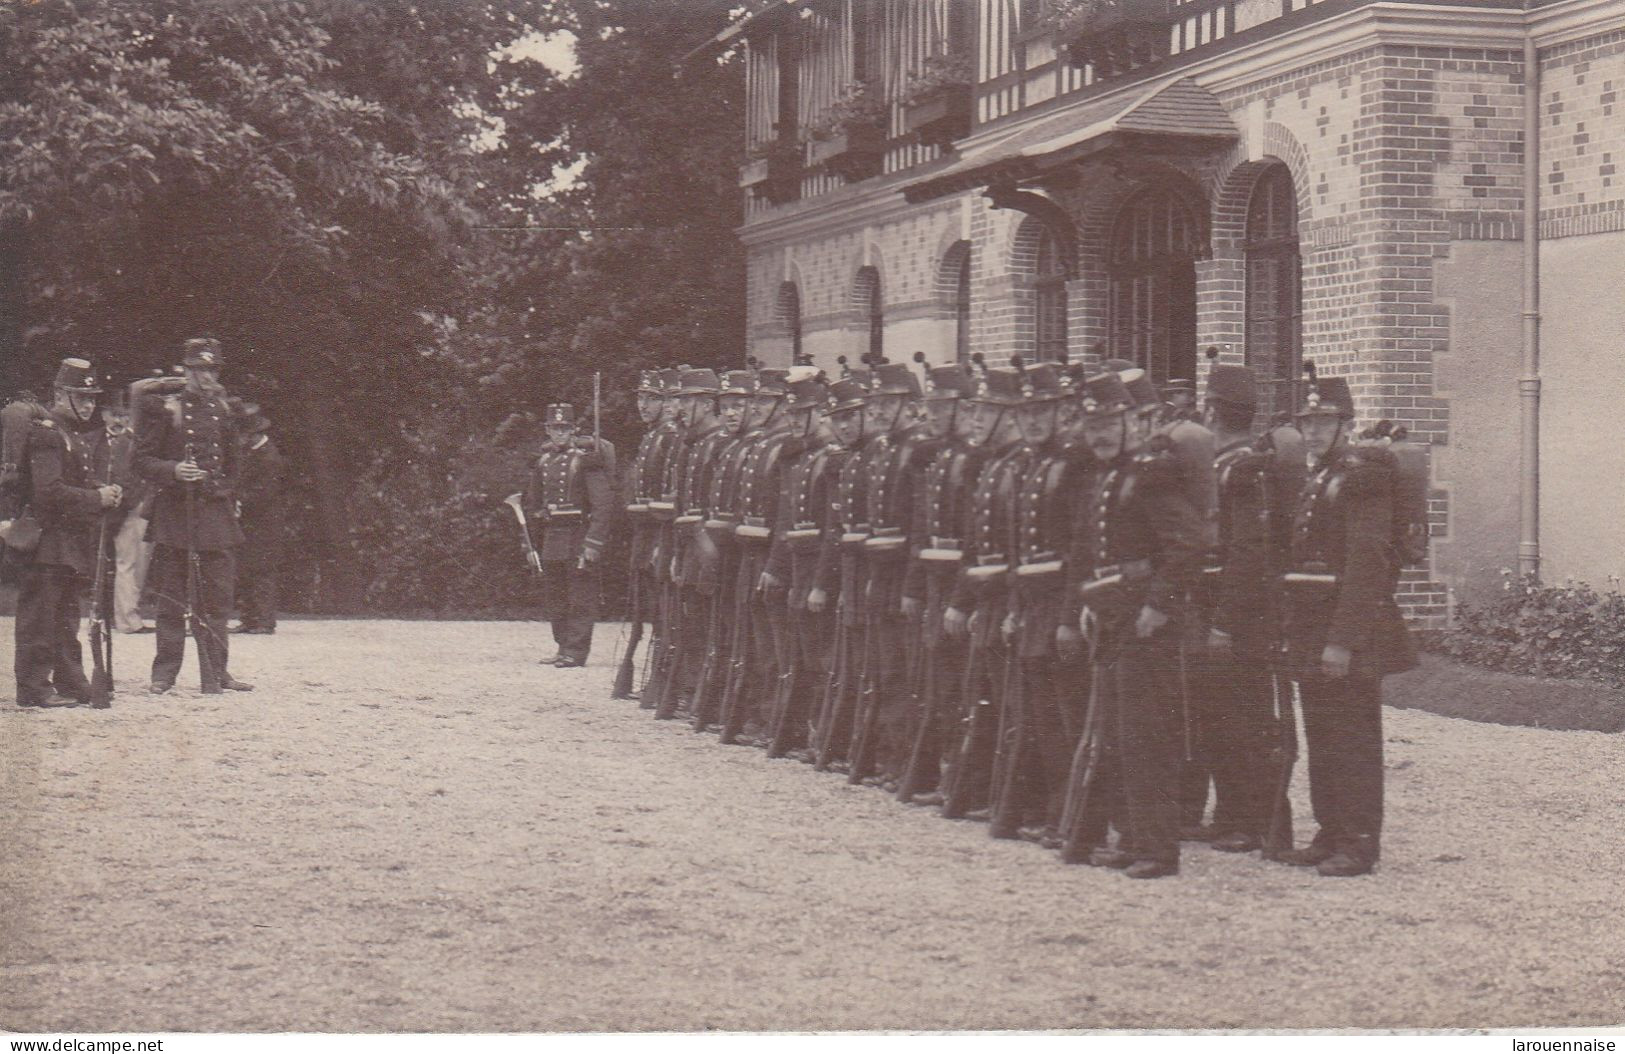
774,176
1452,689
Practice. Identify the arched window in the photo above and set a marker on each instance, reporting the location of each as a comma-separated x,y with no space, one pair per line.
1049,297
790,317
1274,311
866,293
953,293
1153,284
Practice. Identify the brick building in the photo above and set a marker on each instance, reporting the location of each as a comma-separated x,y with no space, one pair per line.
1344,181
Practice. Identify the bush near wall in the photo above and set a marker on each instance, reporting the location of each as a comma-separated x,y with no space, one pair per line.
1568,630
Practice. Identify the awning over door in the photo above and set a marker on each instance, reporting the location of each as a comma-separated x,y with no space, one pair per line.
1178,114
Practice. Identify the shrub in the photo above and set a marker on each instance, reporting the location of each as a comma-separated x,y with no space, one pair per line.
1571,630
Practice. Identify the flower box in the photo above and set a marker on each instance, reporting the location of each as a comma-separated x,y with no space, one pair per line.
853,151
942,116
775,176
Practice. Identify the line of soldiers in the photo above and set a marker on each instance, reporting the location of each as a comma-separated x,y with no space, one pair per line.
1042,594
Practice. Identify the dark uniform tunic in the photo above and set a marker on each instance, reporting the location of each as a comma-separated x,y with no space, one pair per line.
171,427
569,495
937,558
61,468
763,659
983,589
1043,718
1139,543
892,462
807,468
1342,570
263,523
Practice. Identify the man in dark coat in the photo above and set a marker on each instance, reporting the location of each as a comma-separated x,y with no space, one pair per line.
186,447
59,458
570,495
261,515
1344,632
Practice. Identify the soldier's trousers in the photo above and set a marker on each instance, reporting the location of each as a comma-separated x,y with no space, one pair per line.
1233,705
1149,712
257,563
809,640
1342,727
973,734
48,647
570,603
217,573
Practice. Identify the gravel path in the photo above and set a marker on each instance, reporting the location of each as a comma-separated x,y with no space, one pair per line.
407,828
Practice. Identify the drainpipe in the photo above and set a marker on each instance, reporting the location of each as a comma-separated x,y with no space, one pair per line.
1529,381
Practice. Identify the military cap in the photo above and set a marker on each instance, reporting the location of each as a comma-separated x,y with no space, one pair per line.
202,351
74,375
1000,384
1105,393
649,382
1140,389
1178,386
1118,365
894,378
806,387
1327,395
698,382
738,382
1235,385
771,380
948,380
1041,380
669,381
560,414
848,393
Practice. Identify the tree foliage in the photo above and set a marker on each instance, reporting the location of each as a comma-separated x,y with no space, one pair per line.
345,192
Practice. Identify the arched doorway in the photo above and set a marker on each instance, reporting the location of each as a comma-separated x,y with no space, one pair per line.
1152,271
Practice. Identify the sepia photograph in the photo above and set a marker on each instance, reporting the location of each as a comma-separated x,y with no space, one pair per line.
592,518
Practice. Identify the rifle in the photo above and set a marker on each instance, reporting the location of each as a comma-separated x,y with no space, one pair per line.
733,714
782,730
623,671
1076,840
1010,761
925,753
965,780
831,709
516,502
101,638
207,674
866,718
703,693
1278,837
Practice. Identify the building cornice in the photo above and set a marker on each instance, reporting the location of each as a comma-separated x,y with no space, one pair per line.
1570,20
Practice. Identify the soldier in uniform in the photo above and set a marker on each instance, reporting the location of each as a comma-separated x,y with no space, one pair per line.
808,463
642,483
58,460
1344,632
187,448
1234,690
980,598
937,556
693,555
661,502
717,518
1137,549
762,657
891,457
838,578
261,514
1042,714
569,495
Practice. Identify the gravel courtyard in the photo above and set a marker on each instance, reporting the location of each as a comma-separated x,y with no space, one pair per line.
412,827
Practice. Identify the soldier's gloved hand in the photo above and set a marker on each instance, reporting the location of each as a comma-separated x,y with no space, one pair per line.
1149,622
187,472
1068,642
911,607
1218,643
534,559
1009,626
954,623
109,495
816,600
589,555
1334,661
768,583
974,624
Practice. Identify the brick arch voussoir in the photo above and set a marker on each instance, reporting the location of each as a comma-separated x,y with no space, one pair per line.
945,288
